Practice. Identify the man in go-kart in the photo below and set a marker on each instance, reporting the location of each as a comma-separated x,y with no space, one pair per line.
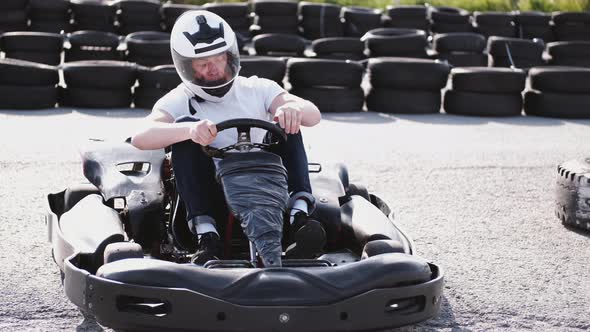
206,56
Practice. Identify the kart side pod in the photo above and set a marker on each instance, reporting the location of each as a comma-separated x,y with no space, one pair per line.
87,228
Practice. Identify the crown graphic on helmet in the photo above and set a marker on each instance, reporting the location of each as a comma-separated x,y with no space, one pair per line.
206,34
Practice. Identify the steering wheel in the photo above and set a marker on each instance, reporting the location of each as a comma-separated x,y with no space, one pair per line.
244,144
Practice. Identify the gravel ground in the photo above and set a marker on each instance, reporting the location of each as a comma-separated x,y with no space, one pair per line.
476,195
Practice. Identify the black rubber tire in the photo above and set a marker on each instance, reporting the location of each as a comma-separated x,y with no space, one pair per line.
560,79
278,42
149,43
75,192
13,20
274,7
482,104
52,59
407,23
50,26
20,72
93,38
572,198
523,63
325,46
468,42
399,101
566,32
31,41
95,98
564,49
277,22
357,21
396,42
442,14
13,4
439,27
27,97
226,10
407,73
488,80
323,72
311,9
535,31
329,100
535,18
172,11
570,17
266,67
147,97
464,59
408,11
121,250
493,18
497,31
557,105
519,48
312,28
163,77
104,74
92,55
93,16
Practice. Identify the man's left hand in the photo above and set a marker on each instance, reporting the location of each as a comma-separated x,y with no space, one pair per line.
289,116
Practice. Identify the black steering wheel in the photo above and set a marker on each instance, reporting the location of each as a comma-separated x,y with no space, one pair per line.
244,144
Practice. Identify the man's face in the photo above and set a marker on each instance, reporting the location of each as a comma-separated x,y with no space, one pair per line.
212,70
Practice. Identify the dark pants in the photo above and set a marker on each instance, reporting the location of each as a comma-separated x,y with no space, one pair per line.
201,193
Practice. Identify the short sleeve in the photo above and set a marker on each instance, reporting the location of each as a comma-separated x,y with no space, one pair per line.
270,90
174,102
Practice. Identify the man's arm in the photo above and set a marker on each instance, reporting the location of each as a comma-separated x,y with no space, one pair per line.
292,112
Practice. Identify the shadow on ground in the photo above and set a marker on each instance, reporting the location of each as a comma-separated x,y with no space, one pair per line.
105,113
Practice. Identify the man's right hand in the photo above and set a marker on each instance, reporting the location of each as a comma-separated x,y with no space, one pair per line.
203,132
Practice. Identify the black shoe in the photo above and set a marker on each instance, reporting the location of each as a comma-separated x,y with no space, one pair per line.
307,237
209,246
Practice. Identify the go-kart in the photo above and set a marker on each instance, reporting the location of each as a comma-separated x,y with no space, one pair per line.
122,245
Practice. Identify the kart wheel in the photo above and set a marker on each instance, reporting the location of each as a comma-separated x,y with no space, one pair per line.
572,193
122,250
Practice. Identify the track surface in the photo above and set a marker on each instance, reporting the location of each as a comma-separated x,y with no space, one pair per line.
476,195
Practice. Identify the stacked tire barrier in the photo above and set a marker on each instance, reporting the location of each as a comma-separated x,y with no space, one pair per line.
408,17
494,24
406,86
27,85
531,25
274,16
571,25
561,92
40,47
172,11
149,48
522,53
332,85
266,67
98,84
88,15
14,15
92,45
320,20
572,193
49,15
278,44
339,48
569,53
396,42
460,49
358,20
138,15
236,15
450,19
482,91
153,84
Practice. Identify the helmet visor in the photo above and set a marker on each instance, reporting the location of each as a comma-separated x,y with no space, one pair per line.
211,71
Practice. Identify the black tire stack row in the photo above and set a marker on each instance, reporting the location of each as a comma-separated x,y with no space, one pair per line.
27,85
154,83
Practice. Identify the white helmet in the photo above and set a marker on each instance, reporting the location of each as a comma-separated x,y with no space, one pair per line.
205,53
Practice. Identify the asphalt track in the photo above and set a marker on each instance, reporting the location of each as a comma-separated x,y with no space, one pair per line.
476,195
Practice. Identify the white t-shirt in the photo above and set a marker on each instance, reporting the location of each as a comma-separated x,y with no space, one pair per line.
248,98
